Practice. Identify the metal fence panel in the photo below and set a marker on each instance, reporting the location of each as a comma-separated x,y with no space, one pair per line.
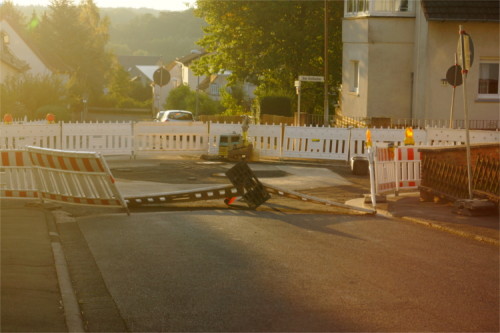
170,136
316,142
453,137
16,136
105,138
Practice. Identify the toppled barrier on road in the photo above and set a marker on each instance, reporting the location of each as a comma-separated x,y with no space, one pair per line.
245,185
243,178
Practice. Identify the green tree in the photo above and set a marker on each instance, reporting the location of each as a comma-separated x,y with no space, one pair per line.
78,36
183,98
235,101
271,43
10,12
24,95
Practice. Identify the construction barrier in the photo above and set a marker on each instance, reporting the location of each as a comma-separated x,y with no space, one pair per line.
408,168
316,142
18,136
396,168
384,169
105,138
74,177
170,137
17,179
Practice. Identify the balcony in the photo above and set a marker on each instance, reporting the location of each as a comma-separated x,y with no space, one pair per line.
395,8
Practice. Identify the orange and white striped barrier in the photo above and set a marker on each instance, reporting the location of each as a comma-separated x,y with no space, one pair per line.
385,170
17,179
408,168
74,177
396,169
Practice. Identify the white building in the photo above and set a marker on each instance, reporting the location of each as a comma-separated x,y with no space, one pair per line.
396,54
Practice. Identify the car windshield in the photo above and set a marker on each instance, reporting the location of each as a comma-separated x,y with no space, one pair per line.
180,116
159,115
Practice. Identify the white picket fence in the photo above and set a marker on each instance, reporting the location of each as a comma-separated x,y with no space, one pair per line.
155,136
277,141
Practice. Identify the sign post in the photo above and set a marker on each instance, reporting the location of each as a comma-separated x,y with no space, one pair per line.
161,77
454,78
465,51
297,87
305,78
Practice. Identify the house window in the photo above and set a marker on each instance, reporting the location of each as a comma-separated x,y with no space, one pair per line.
489,73
214,89
356,7
379,8
355,76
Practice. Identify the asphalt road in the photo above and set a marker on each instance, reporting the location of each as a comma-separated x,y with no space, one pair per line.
242,270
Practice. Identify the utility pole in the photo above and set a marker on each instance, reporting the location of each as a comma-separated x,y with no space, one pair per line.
325,84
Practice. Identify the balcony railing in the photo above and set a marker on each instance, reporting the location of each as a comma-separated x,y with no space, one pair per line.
355,8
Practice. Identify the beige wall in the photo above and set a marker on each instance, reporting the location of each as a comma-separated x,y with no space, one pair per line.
441,48
402,62
384,49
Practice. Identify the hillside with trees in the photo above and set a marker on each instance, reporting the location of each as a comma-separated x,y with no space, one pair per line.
143,31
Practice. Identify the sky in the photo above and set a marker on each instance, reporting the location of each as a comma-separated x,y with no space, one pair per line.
173,5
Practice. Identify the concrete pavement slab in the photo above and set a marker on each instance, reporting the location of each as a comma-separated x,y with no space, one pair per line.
30,295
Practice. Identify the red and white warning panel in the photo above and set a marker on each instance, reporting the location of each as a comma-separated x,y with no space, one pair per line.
17,179
397,168
74,177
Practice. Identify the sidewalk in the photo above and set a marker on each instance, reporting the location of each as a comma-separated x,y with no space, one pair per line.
439,216
30,294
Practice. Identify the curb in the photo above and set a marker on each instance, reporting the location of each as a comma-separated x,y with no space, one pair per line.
430,224
437,226
72,311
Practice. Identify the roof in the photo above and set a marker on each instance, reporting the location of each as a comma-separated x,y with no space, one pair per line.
10,59
130,61
188,59
52,61
462,10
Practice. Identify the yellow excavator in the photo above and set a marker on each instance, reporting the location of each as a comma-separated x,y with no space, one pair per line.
235,147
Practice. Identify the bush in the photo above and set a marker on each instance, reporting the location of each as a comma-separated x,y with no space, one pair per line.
61,113
23,95
183,98
276,105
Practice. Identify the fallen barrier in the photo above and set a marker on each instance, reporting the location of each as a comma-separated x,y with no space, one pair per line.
17,181
74,177
307,198
245,185
83,178
208,193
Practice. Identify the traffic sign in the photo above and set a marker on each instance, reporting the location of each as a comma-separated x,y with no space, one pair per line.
311,78
465,51
161,76
454,75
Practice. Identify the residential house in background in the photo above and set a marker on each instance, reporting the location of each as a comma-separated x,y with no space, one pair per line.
396,54
18,56
10,65
143,67
210,84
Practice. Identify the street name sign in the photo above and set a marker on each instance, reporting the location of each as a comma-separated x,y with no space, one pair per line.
311,78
